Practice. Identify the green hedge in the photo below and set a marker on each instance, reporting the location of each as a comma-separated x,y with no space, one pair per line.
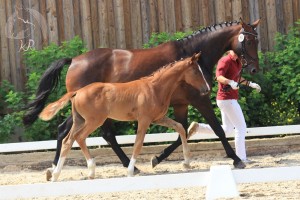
277,103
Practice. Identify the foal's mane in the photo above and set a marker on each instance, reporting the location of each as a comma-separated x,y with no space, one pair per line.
163,68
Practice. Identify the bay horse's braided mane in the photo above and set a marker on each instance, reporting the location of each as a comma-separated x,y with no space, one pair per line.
211,28
167,66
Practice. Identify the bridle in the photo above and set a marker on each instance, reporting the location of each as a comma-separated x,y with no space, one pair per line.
243,55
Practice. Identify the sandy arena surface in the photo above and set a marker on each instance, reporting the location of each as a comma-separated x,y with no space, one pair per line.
30,168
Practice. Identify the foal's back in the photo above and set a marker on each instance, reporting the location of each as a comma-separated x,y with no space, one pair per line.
119,101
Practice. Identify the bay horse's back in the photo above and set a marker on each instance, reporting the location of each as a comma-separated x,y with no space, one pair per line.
93,66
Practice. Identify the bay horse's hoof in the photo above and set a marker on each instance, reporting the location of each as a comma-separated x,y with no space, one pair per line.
136,171
154,161
49,174
239,165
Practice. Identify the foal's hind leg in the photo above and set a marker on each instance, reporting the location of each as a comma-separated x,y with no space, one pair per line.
66,146
63,130
170,123
81,140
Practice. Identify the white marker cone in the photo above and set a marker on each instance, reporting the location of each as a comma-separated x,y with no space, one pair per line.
221,183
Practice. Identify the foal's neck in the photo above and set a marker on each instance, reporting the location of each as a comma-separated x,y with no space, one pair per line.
168,78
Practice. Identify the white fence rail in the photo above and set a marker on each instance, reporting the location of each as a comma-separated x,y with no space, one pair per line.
150,138
168,181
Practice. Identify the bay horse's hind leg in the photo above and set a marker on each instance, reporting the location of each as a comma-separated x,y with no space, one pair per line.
109,135
170,123
206,109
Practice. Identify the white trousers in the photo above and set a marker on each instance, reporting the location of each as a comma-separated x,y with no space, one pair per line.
232,120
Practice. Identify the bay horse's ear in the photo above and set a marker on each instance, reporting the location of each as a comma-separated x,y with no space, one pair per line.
255,24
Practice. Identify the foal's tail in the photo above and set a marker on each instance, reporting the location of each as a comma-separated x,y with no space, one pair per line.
48,83
50,111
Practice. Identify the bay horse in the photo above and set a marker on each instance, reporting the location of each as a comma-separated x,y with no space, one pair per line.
119,65
94,103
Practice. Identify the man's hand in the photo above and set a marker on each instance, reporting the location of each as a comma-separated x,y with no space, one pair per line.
255,86
234,85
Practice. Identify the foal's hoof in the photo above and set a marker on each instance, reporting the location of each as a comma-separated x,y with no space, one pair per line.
154,161
239,165
54,177
49,174
186,165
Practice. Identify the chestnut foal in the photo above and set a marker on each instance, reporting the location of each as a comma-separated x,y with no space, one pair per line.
145,100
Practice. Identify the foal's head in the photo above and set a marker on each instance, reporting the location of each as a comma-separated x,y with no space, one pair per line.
246,46
194,76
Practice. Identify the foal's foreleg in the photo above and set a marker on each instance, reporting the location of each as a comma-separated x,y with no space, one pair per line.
170,123
138,144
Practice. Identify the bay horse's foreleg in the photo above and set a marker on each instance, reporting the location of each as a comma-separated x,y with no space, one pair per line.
138,144
170,123
109,134
205,108
180,113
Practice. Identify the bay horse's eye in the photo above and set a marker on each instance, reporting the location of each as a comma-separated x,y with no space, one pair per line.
249,42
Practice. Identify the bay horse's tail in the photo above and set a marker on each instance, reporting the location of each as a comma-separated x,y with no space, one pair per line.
48,83
50,111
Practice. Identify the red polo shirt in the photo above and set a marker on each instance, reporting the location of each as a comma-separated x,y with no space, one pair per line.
229,68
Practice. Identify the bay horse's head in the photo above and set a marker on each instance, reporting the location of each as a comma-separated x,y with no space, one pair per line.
246,46
194,76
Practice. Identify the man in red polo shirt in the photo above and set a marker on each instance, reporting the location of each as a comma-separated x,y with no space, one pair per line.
228,74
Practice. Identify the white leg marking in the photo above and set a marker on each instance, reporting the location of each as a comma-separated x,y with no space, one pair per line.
92,167
131,167
58,169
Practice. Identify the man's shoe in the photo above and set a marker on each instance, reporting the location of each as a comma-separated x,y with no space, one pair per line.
247,161
192,129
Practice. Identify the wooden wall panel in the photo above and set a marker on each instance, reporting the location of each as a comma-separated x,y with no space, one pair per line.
103,23
127,23
68,19
5,63
271,23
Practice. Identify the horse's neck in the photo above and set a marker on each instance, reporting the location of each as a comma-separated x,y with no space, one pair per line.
168,78
212,44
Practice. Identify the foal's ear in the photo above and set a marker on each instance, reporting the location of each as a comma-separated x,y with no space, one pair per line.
195,57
